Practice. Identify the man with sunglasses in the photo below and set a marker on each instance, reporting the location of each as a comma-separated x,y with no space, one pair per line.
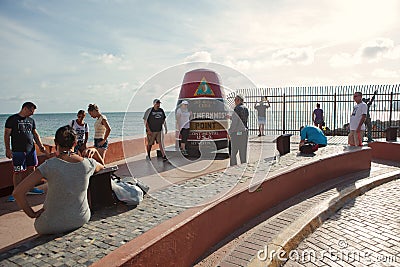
20,129
357,119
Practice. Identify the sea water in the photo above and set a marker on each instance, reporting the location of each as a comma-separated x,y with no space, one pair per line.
123,125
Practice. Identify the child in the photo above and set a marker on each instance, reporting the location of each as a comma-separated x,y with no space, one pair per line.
82,130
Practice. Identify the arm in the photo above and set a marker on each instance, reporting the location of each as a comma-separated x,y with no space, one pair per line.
38,141
165,127
269,104
86,139
146,125
22,188
93,153
313,116
107,133
372,99
361,122
7,134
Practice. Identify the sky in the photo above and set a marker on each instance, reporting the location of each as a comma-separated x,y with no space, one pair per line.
63,55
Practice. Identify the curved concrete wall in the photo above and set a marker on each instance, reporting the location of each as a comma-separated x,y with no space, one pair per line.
117,150
181,240
385,150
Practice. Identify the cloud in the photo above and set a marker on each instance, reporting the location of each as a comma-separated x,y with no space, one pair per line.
289,56
108,59
200,56
379,48
372,51
382,73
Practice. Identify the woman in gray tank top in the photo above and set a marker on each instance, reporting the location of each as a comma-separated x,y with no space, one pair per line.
66,206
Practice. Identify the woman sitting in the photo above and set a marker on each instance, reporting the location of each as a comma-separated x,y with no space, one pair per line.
66,206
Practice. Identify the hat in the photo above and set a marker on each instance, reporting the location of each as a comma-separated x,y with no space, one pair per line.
240,97
184,102
156,101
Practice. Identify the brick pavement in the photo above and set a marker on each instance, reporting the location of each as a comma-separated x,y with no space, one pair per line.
285,225
365,232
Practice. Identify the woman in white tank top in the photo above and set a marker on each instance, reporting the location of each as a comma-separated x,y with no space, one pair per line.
101,130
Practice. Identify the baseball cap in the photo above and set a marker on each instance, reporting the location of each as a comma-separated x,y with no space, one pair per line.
184,102
156,101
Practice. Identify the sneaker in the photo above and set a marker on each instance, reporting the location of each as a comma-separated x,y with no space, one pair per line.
35,191
184,152
148,157
10,198
164,158
259,135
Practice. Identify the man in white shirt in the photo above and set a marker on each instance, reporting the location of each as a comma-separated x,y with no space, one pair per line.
357,118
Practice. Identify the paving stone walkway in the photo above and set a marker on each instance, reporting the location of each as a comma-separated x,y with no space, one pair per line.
365,232
110,228
266,232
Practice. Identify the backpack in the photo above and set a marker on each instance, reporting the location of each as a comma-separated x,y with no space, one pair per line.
308,148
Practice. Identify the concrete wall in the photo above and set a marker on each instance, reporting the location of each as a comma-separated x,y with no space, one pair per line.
385,150
117,150
181,240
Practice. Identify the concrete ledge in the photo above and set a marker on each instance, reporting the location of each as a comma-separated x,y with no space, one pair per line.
181,240
385,150
292,236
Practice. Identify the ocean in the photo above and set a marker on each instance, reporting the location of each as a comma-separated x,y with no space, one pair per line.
123,125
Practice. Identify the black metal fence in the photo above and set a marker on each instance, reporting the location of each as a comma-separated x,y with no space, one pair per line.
292,107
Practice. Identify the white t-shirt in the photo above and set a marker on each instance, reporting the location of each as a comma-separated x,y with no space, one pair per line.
183,117
80,130
358,111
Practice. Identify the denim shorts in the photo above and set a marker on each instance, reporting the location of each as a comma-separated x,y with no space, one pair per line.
22,160
97,141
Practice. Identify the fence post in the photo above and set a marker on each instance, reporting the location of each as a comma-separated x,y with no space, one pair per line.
334,115
391,108
284,114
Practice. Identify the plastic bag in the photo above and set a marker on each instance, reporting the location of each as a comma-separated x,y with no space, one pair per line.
127,192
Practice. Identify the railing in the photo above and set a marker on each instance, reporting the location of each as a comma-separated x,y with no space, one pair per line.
292,107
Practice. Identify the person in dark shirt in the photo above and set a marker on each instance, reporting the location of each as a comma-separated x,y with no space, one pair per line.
154,119
238,132
318,116
368,122
21,130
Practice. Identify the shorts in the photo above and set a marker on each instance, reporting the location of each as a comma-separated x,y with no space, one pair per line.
319,121
97,141
262,120
184,135
355,138
154,136
22,160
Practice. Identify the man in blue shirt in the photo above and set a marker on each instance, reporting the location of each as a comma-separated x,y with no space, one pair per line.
312,134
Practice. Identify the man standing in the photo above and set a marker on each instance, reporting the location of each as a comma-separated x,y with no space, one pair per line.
154,119
239,131
262,115
357,118
368,122
21,130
